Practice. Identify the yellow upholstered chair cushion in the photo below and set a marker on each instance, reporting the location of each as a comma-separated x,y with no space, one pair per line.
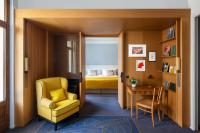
58,95
65,106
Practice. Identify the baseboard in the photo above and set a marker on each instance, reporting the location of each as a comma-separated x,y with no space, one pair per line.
101,91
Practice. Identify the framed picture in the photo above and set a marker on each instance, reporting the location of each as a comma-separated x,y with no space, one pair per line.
152,56
140,65
137,50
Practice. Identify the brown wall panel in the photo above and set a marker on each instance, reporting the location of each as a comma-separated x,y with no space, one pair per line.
152,40
35,50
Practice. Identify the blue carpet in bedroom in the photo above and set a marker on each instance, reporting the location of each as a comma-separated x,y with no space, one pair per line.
102,114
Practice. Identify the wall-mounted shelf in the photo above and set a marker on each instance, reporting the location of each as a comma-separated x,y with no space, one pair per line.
168,56
167,73
170,39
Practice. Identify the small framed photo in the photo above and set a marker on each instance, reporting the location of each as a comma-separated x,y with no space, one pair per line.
137,50
152,56
140,65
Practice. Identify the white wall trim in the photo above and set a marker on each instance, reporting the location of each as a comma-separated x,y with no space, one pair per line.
193,74
13,4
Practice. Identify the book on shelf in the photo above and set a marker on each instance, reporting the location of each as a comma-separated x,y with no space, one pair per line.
166,51
171,33
173,50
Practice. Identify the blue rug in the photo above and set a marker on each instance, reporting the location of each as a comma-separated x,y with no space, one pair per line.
94,124
102,114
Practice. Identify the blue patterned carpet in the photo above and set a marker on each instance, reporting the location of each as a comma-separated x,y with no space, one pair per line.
102,114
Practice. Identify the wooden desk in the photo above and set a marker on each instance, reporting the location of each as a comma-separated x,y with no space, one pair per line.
139,90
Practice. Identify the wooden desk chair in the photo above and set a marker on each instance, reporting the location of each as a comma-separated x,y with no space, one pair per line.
150,105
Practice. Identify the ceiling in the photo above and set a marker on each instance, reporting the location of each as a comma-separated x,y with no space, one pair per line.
102,26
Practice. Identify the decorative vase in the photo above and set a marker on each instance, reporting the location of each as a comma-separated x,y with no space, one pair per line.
133,85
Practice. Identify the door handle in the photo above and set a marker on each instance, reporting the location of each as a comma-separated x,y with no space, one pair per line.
122,77
81,77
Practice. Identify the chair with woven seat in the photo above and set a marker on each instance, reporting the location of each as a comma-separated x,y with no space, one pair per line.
54,103
150,105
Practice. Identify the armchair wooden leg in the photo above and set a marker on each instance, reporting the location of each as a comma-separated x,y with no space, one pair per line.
159,118
39,118
152,117
55,126
144,113
77,114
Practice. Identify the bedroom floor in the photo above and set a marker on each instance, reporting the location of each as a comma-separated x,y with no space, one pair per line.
102,114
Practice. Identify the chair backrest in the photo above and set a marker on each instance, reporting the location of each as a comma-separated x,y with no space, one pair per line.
159,96
154,93
48,84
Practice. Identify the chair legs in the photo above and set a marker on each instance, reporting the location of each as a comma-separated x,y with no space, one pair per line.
55,126
152,117
77,114
39,118
136,112
159,117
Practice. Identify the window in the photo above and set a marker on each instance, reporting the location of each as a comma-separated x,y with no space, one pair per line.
2,9
2,72
3,48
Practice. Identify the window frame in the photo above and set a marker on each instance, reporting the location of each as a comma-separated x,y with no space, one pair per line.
5,25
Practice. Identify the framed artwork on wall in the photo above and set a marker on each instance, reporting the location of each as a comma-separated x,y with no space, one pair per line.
140,65
152,56
137,50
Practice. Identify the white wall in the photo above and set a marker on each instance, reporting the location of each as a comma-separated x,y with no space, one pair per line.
98,4
195,11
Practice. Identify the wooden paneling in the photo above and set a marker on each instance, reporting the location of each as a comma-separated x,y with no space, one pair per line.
50,54
151,39
105,26
21,14
60,55
35,50
185,68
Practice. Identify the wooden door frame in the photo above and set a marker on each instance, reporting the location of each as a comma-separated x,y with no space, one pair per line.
21,14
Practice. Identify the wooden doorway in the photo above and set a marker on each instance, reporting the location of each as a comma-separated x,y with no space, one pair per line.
82,67
121,78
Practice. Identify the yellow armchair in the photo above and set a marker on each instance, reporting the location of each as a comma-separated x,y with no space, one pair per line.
59,110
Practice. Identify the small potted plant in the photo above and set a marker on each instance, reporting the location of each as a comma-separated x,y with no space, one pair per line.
133,82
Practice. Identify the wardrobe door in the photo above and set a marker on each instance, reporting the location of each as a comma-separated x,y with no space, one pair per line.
82,68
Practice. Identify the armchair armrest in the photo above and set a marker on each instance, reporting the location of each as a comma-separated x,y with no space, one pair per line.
48,103
71,96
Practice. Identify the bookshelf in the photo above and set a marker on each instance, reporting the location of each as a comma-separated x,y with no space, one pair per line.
172,95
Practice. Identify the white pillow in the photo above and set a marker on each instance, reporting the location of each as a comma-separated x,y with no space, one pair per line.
92,72
107,72
99,72
115,71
